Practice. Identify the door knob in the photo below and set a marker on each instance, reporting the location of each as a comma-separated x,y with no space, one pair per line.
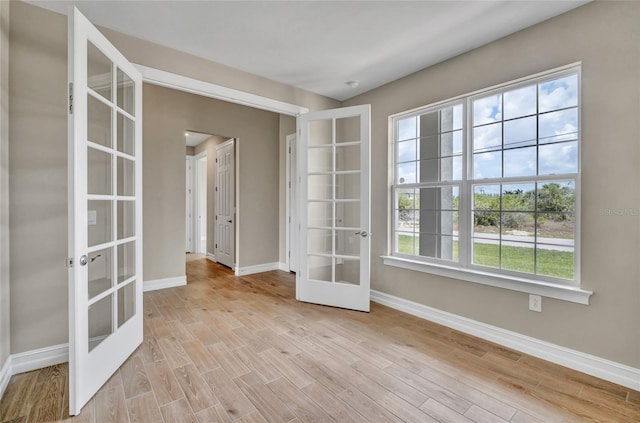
83,260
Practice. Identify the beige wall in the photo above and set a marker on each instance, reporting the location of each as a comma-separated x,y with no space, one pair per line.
190,151
166,115
209,146
605,36
38,178
5,338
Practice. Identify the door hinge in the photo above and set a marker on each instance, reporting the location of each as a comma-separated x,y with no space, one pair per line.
216,217
216,160
216,188
216,245
70,98
69,262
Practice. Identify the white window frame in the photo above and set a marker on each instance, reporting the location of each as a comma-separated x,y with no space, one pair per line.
464,269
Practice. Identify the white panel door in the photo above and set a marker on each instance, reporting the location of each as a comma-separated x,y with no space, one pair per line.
105,210
188,206
333,160
225,203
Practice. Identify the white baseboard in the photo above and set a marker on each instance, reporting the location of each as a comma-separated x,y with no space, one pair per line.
5,375
156,284
37,359
283,266
258,268
599,367
211,257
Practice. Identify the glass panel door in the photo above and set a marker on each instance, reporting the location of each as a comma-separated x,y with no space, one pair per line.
105,238
334,208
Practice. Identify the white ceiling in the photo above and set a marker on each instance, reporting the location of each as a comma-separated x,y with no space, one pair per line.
320,45
193,139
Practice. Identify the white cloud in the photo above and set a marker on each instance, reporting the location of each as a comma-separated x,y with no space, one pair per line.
520,102
558,94
558,158
487,110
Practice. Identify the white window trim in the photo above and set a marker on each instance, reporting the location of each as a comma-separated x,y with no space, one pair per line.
551,290
562,290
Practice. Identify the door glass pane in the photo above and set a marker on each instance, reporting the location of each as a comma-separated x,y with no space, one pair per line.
321,132
126,261
347,243
348,129
320,160
98,122
126,219
126,177
98,172
320,214
348,271
348,157
100,321
99,218
348,186
126,134
320,187
100,270
319,241
126,302
348,214
98,71
320,268
126,92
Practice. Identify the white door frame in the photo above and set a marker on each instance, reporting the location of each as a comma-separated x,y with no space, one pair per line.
197,203
291,218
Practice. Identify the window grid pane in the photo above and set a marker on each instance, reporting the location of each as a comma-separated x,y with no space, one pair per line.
522,221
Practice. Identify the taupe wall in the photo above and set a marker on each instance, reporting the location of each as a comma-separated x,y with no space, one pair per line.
5,338
209,146
605,36
38,178
166,115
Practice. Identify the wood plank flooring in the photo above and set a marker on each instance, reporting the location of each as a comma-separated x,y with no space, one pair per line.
241,349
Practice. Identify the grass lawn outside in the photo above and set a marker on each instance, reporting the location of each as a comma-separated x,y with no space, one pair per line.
558,264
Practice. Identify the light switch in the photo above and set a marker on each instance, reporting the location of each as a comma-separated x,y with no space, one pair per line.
92,218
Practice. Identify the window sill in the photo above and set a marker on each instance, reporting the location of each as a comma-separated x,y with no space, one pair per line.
560,292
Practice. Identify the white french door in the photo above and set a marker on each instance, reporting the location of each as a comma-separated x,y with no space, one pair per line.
225,203
105,210
333,159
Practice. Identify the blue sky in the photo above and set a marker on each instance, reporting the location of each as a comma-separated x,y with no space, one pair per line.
519,130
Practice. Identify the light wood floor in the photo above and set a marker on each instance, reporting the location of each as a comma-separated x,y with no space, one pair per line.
227,349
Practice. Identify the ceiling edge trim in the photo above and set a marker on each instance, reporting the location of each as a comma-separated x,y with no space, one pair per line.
207,89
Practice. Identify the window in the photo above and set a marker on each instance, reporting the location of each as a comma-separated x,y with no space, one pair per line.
489,182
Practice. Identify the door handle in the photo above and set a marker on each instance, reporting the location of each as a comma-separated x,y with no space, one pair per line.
363,234
92,259
229,221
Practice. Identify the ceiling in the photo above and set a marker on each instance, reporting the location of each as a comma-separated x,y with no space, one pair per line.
320,45
193,139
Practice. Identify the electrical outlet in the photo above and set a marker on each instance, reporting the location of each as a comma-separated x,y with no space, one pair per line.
535,303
